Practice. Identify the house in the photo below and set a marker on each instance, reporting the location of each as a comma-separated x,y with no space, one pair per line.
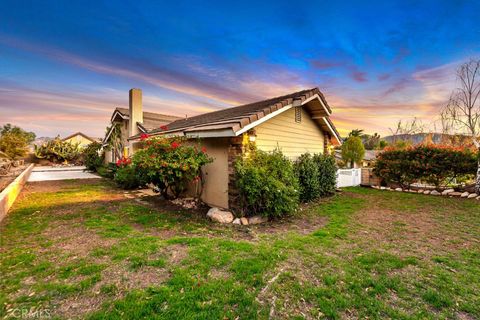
80,138
296,123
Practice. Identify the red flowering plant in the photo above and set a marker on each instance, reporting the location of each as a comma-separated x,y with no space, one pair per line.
171,164
435,164
123,162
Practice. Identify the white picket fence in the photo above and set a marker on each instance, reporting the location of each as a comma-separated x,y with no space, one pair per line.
349,177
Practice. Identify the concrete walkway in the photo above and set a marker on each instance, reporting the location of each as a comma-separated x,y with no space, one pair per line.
60,173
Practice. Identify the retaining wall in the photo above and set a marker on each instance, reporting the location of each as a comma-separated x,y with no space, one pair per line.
11,192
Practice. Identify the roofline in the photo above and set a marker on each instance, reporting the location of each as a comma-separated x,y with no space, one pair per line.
79,133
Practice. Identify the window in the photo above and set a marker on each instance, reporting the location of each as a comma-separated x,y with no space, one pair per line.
298,114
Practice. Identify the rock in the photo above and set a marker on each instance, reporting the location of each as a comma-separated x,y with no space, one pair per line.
257,220
478,198
435,193
421,191
447,191
399,189
464,195
455,194
426,192
472,195
383,188
219,215
244,221
237,221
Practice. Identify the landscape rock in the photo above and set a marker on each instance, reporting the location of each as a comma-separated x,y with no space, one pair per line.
220,216
257,220
455,194
426,192
464,195
447,191
398,189
435,193
244,221
383,188
237,221
472,195
421,191
478,198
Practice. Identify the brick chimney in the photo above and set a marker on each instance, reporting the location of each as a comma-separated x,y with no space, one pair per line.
136,111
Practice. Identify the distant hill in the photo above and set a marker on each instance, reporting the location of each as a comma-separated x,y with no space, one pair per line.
420,137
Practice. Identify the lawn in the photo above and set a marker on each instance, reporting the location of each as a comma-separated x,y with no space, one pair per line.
83,249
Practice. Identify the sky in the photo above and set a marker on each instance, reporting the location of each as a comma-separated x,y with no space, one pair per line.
65,65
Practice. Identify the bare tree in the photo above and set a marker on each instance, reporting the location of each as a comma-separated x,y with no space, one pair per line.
462,113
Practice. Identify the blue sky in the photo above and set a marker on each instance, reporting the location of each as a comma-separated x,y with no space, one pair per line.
64,66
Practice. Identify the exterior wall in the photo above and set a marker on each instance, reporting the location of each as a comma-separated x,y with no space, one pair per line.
215,189
291,137
83,142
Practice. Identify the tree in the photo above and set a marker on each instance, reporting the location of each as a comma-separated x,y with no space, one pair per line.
14,141
356,133
353,150
403,129
371,142
462,112
115,140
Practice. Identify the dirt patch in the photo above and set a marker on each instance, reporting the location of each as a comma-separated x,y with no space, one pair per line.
74,307
75,240
177,253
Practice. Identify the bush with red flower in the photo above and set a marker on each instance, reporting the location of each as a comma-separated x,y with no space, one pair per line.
434,164
171,164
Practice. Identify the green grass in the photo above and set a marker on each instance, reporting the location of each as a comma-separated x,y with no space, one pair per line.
377,255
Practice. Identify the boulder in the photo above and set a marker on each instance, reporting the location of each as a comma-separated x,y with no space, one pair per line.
472,195
426,192
257,220
447,191
464,195
237,221
421,191
244,221
435,193
478,198
455,194
383,188
399,189
219,215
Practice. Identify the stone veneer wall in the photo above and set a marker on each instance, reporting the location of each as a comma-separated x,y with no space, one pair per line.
369,179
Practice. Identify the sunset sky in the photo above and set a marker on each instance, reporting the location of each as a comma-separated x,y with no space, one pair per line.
65,65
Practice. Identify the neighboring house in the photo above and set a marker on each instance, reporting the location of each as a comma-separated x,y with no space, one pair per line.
82,139
367,162
295,123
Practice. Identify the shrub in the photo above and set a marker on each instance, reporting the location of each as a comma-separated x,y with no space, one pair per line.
127,178
14,141
57,150
316,176
327,174
434,164
267,184
307,172
170,164
92,156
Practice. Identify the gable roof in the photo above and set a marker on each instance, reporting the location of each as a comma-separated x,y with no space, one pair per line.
80,134
151,120
237,120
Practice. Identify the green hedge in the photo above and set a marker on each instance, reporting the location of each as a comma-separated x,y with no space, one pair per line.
316,176
267,183
433,164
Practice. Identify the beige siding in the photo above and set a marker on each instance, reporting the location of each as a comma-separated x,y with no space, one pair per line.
291,137
81,140
215,191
